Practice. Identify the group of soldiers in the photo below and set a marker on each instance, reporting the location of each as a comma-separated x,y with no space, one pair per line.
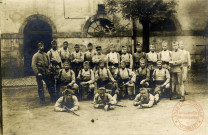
142,77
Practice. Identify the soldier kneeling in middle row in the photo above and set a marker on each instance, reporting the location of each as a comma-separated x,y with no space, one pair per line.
126,80
86,81
104,100
161,78
66,78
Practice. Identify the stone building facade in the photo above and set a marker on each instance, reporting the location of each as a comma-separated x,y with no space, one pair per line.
26,22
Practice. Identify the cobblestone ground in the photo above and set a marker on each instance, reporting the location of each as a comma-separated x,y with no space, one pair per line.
22,115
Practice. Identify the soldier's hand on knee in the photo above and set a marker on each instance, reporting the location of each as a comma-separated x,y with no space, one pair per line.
39,74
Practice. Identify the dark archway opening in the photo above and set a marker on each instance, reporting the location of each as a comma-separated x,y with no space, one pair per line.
34,32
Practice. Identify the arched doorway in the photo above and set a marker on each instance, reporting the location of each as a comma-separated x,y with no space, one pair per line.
35,31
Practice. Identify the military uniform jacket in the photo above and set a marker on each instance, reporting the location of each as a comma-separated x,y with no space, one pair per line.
86,76
186,58
78,56
137,56
88,55
64,54
72,104
143,73
165,56
128,59
54,56
113,58
67,76
103,74
161,74
177,59
40,63
97,58
127,74
152,57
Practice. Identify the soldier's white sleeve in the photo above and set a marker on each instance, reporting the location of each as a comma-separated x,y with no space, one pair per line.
73,77
133,75
92,77
180,61
58,105
189,59
94,59
167,74
34,66
137,98
81,59
119,59
151,102
110,75
107,60
131,62
76,103
95,99
110,98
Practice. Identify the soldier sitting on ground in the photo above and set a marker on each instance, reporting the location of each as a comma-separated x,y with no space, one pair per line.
86,81
67,102
144,99
126,80
104,100
161,78
66,78
142,76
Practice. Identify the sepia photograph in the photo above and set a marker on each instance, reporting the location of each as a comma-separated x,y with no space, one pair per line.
104,67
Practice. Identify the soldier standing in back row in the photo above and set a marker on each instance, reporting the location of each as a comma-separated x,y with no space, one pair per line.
113,58
89,54
176,71
165,55
77,60
98,57
126,57
138,56
64,52
186,64
40,66
55,65
152,57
